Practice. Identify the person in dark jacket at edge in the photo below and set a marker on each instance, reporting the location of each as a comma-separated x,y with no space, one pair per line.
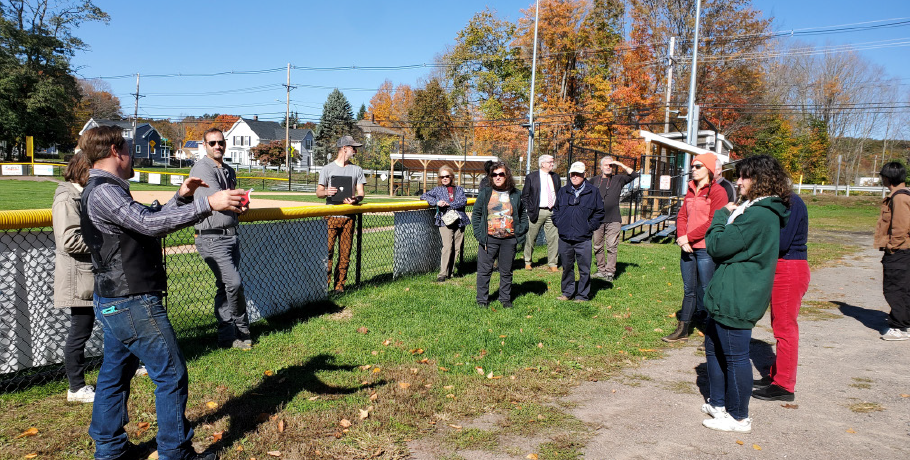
578,212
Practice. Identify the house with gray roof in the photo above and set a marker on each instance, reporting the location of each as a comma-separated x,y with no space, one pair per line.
247,133
146,141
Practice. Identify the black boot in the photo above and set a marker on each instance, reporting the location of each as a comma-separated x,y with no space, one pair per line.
683,329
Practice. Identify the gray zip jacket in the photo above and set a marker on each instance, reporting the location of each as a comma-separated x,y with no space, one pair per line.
223,178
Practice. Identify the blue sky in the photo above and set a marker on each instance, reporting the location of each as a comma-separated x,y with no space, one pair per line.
194,37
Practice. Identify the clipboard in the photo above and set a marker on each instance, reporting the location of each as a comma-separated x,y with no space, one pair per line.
345,186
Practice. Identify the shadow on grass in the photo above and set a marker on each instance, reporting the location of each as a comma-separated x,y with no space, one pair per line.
761,353
252,408
203,338
536,287
873,319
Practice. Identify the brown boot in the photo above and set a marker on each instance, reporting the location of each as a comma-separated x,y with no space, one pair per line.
681,333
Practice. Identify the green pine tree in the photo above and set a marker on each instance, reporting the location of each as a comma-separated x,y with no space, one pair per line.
362,112
337,120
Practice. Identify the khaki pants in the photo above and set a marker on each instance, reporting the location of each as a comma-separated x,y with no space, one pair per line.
606,237
341,228
452,240
545,220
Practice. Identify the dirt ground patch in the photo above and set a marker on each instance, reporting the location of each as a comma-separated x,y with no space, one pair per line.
653,410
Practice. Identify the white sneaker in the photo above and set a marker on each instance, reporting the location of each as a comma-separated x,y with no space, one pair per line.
727,423
894,334
85,394
715,412
141,371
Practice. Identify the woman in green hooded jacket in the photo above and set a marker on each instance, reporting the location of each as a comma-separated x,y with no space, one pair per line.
743,240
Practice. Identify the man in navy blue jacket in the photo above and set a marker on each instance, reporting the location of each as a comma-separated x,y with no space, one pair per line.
578,212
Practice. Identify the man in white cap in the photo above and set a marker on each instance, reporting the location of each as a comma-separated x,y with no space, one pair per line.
341,227
579,211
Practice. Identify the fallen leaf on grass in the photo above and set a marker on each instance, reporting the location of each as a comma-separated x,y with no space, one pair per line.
274,453
365,367
850,430
701,334
143,426
387,342
364,413
539,344
417,351
281,426
671,315
29,432
313,398
450,396
457,427
905,395
374,396
739,442
211,404
217,436
646,350
376,370
756,447
479,370
490,375
239,448
629,328
443,369
532,456
404,385
407,289
345,423
658,329
362,330
33,455
790,406
269,373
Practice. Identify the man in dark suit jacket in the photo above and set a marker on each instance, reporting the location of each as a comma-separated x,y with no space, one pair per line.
539,197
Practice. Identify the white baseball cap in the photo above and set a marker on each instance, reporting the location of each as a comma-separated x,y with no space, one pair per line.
577,167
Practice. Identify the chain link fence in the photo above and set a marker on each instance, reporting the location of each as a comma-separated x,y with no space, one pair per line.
283,263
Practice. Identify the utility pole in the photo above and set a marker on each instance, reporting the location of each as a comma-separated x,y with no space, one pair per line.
670,63
136,109
533,77
287,127
691,114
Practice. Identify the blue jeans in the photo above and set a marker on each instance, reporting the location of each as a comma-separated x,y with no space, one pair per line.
729,368
137,328
697,269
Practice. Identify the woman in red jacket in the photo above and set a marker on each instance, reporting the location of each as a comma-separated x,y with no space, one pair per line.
703,197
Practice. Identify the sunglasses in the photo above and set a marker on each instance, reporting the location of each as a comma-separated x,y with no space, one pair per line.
698,166
498,174
214,143
445,177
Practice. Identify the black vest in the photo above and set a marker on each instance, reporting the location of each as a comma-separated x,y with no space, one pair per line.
124,265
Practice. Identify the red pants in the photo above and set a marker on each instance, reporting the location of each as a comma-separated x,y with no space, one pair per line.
791,281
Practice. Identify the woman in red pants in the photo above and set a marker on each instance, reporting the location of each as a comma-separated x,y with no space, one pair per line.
791,280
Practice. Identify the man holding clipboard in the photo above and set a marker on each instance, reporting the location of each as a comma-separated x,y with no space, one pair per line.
341,182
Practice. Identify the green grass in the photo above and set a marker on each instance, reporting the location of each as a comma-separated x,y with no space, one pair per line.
413,354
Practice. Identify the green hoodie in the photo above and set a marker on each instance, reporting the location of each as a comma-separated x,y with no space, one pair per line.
746,253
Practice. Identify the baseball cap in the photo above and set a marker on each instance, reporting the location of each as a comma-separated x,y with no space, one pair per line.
577,167
346,141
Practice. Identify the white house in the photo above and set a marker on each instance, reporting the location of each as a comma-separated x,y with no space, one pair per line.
247,133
